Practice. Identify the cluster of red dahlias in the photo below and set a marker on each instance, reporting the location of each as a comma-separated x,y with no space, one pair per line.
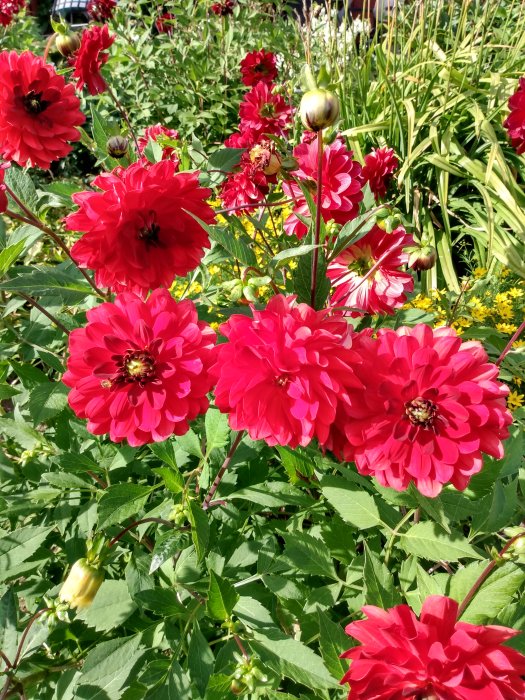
8,10
223,8
101,10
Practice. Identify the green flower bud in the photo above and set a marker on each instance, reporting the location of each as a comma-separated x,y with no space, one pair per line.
117,146
422,258
67,44
319,109
81,585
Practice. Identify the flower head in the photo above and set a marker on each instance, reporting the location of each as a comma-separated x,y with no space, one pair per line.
243,191
282,372
39,113
341,185
164,23
367,276
433,657
223,8
90,58
258,67
431,406
139,369
241,139
515,122
138,232
3,195
163,136
379,167
264,113
101,10
81,585
8,9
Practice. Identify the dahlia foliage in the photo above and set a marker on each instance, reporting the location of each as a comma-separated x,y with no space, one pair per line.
515,122
3,196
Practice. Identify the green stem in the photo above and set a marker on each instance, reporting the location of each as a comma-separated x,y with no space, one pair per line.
393,535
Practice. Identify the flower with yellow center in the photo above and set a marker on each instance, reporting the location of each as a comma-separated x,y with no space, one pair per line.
506,328
515,400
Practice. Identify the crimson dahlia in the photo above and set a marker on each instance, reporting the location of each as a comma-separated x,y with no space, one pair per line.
282,373
223,8
258,67
430,407
515,122
39,113
101,10
90,58
264,113
164,23
138,232
139,369
8,10
434,657
378,170
161,135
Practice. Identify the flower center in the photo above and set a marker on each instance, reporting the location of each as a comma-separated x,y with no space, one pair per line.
149,232
33,103
362,265
421,412
267,110
282,380
134,366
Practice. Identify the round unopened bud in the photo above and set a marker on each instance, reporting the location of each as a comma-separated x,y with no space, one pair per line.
67,44
237,688
319,109
423,258
81,585
117,146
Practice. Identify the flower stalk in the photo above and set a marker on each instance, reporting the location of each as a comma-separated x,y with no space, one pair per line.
317,233
222,470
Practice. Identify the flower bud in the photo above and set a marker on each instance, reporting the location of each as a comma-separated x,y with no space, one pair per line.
81,585
237,688
319,109
67,44
117,146
422,258
266,158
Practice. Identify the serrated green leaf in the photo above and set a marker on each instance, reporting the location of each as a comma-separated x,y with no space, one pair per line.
176,686
428,541
46,401
217,429
332,642
309,555
189,442
200,528
379,582
167,546
17,546
222,598
120,502
354,505
111,607
9,255
225,159
22,185
200,660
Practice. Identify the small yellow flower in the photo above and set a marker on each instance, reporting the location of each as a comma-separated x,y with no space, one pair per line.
515,400
480,272
518,344
506,328
515,292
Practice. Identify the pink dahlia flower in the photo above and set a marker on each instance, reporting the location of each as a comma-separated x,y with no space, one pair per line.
90,58
8,10
39,113
378,170
431,658
515,122
367,276
258,67
431,405
139,369
281,373
3,195
264,113
342,185
138,232
163,136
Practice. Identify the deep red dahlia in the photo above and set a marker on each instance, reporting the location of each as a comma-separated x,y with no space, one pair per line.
282,372
162,135
431,405
244,139
89,58
515,122
264,113
378,170
3,195
139,369
164,23
342,185
101,10
259,67
246,188
138,234
367,275
223,8
431,658
8,9
39,113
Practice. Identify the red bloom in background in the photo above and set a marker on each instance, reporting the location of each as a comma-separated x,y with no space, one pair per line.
378,170
39,113
161,135
223,8
431,405
258,67
164,23
342,185
8,9
433,657
367,276
3,195
101,10
138,234
89,58
244,139
246,189
139,369
282,373
515,122
262,112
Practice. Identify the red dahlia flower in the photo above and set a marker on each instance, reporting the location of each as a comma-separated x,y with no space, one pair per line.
162,135
342,185
39,113
515,122
282,373
264,113
164,23
246,188
89,58
138,234
3,195
430,407
101,10
379,167
244,139
8,9
258,67
367,276
223,8
139,369
431,658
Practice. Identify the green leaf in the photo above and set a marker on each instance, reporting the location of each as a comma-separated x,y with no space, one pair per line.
176,686
225,159
217,429
200,528
189,442
309,555
172,479
355,506
292,253
295,462
42,280
302,280
236,244
9,255
162,601
200,660
222,598
8,624
379,582
66,481
165,452
167,546
16,547
427,541
46,401
120,502
22,185
332,642
112,606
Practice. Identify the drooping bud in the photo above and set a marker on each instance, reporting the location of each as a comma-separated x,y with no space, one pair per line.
421,257
67,44
117,146
319,109
81,585
265,157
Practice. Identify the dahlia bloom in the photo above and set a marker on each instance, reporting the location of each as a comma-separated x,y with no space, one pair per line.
342,185
164,23
431,405
367,276
39,113
264,113
161,135
378,170
101,10
138,234
241,139
246,188
89,58
3,195
258,67
515,122
139,369
282,373
434,657
223,8
8,9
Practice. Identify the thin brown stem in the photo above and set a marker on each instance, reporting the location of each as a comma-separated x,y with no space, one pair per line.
121,534
317,233
241,646
125,116
99,481
46,313
222,470
510,344
49,43
6,660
